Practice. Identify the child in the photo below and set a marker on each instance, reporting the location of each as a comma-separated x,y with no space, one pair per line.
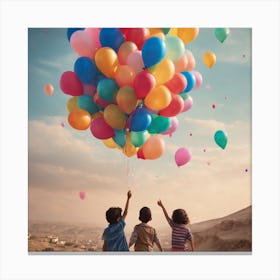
180,233
144,236
113,235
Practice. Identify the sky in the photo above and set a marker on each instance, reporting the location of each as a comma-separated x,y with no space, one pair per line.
63,161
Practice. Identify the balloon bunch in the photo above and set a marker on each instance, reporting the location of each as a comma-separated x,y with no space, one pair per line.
129,85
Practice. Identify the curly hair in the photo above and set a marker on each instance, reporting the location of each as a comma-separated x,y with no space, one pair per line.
145,214
113,214
180,216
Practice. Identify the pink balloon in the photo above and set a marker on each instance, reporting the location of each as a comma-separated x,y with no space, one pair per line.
135,61
82,195
188,102
143,83
101,130
89,89
191,61
70,83
62,124
173,127
182,156
94,33
198,79
83,44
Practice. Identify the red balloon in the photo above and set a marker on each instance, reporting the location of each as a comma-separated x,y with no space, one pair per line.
177,84
136,35
174,108
143,83
213,106
71,84
140,154
100,129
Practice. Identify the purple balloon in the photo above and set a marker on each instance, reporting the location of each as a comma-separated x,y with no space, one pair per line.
101,130
182,156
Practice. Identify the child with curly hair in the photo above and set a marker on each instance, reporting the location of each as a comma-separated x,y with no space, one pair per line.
181,234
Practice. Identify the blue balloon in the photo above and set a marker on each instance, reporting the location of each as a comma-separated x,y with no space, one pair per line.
107,89
86,103
141,119
153,51
70,31
120,137
85,69
111,37
190,81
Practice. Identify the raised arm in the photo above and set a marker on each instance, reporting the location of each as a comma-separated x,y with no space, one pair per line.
126,205
164,211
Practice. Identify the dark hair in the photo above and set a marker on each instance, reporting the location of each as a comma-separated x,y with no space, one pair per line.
145,214
113,214
180,216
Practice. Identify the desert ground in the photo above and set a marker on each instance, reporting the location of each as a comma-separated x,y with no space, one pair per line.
232,233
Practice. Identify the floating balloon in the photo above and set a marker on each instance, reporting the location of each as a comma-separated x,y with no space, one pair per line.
175,47
125,49
72,103
48,89
198,79
177,84
154,147
120,137
138,138
71,84
86,103
82,195
221,34
111,37
143,83
101,130
85,69
159,124
173,127
209,59
190,80
129,149
140,120
188,102
153,51
187,34
70,31
135,61
137,36
158,98
221,139
62,124
213,106
79,119
182,156
107,89
126,99
110,143
115,117
124,75
175,106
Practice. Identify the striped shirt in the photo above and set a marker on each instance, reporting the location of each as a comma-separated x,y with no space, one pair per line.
180,236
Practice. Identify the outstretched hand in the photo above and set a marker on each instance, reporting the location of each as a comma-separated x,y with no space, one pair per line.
160,203
129,194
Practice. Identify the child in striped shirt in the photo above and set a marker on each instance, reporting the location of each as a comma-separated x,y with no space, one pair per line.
181,235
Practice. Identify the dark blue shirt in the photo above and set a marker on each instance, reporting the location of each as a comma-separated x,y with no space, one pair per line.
115,238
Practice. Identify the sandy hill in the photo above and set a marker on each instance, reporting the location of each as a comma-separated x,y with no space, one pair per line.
229,233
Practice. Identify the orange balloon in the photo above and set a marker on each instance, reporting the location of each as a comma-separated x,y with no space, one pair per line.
125,49
181,64
154,31
209,59
110,143
158,98
126,99
115,117
129,149
107,62
187,34
125,75
97,115
48,89
79,119
173,32
154,147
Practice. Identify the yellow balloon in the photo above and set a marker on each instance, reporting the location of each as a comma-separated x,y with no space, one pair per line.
173,31
110,143
79,119
158,98
163,71
154,31
187,34
129,149
126,99
107,62
209,59
159,34
72,103
115,117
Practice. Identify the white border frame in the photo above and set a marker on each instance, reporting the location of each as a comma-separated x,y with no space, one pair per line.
17,16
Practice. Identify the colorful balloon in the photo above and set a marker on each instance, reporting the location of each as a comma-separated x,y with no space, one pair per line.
175,48
188,102
72,103
138,138
125,49
137,36
187,34
209,59
111,37
140,120
153,51
143,83
86,103
220,138
173,127
174,108
115,117
48,89
101,130
154,147
159,124
70,31
82,195
71,84
85,69
135,61
182,156
190,80
198,79
79,119
107,89
82,44
177,84
125,75
126,99
221,34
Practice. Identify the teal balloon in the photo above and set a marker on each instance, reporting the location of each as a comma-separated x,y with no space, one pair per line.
221,139
86,103
120,137
159,124
138,138
184,95
107,89
221,34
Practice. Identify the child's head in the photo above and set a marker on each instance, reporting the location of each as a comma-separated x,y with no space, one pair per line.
145,215
113,215
180,216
